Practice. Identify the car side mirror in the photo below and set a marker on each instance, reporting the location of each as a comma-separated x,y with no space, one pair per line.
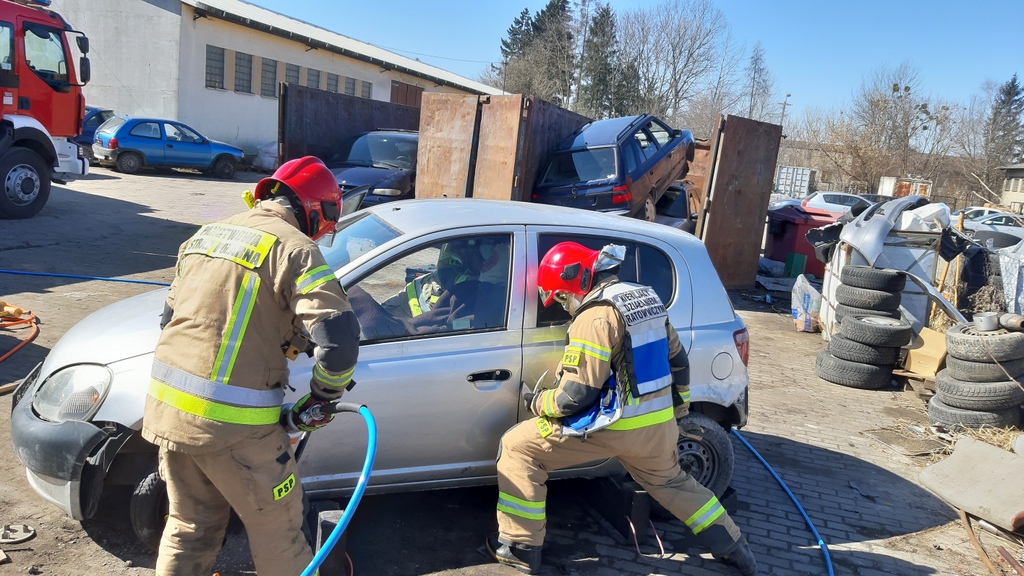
198,140
694,216
677,133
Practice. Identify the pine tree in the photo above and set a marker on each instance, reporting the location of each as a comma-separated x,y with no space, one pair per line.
520,34
554,51
1004,134
600,52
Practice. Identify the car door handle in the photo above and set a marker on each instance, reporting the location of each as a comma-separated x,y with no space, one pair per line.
499,375
170,145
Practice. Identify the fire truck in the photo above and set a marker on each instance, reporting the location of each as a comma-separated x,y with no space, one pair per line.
42,102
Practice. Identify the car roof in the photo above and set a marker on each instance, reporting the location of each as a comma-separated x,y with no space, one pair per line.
600,132
424,216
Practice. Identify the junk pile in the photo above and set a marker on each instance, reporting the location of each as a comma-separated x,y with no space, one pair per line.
864,352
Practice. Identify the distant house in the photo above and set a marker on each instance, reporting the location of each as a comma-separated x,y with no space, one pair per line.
1013,186
218,64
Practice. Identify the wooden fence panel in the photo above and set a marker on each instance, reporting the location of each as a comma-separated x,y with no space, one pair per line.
445,156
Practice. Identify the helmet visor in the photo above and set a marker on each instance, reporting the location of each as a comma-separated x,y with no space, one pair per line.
547,297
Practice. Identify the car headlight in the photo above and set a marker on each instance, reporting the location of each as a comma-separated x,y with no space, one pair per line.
72,393
387,191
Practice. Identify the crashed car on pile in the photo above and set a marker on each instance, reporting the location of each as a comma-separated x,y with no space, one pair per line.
443,392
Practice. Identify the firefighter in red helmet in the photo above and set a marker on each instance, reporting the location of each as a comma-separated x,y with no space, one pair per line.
622,384
246,290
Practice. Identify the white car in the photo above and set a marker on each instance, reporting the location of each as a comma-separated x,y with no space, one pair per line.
974,213
835,203
986,227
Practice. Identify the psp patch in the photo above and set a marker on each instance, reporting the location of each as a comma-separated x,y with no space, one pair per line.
571,359
544,427
284,488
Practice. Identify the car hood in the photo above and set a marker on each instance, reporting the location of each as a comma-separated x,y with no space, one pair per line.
223,147
363,175
119,331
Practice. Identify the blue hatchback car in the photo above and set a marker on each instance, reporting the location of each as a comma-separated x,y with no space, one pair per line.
133,143
619,165
94,117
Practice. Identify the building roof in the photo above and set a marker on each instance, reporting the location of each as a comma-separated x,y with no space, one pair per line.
1011,167
255,17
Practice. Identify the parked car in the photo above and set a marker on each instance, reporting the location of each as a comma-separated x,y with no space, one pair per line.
974,213
876,198
837,203
442,395
620,165
382,161
783,202
1004,229
94,116
130,144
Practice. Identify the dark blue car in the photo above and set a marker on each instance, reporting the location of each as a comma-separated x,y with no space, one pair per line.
380,162
94,116
134,143
620,165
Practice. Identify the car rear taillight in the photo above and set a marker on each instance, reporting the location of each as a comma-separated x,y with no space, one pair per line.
621,195
742,340
535,196
112,144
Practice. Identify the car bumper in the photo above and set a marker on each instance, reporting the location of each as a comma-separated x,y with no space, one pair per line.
103,154
60,458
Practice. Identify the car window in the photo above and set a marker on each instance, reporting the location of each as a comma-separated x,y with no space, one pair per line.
575,166
179,133
146,130
111,125
647,146
631,156
456,285
96,119
643,264
832,198
354,237
661,134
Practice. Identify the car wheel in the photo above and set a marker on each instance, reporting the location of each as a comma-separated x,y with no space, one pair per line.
948,417
851,374
224,168
995,395
842,311
969,371
965,342
846,349
649,212
26,181
876,330
128,162
870,278
867,298
149,509
705,453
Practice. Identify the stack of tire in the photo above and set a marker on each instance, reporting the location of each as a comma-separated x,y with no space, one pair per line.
869,291
979,386
862,354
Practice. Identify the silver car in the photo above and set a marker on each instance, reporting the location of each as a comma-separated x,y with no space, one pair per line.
442,391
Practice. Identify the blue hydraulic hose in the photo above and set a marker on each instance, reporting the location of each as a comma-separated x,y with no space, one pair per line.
78,277
350,510
821,542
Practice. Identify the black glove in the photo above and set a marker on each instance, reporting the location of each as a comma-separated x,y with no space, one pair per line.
528,401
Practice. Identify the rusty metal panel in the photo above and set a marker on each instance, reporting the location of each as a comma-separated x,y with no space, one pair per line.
741,190
502,127
315,122
702,170
446,146
548,124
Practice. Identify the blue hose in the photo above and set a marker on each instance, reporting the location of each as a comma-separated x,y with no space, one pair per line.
821,543
78,277
350,509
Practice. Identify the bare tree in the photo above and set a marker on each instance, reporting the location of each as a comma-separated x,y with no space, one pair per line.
760,86
720,95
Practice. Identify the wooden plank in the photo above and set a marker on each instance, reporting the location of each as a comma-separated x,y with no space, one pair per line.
447,130
498,146
741,190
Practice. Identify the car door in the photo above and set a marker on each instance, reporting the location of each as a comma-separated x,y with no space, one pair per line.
667,164
443,393
645,149
185,147
145,137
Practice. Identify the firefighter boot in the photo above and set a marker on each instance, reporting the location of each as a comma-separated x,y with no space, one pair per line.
524,558
739,557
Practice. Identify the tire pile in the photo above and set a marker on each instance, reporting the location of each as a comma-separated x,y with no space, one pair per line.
862,354
979,386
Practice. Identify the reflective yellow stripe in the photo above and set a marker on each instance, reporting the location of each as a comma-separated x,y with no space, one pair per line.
314,278
685,395
522,508
243,246
707,514
212,410
339,381
284,488
235,330
590,349
547,403
663,415
414,300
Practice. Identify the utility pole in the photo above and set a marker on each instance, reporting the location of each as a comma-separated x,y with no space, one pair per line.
782,118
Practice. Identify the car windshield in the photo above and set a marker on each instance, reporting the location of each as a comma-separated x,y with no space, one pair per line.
355,236
111,125
570,167
378,150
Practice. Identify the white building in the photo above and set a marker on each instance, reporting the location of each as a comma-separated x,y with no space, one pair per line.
217,64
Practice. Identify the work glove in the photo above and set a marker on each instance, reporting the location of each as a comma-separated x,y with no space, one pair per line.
528,402
307,415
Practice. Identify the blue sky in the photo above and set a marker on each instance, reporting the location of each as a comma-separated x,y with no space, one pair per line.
818,50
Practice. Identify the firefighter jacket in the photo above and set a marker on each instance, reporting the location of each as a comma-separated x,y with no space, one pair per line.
619,365
244,287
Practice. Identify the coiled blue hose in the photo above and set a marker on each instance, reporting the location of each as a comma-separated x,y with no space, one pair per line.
821,542
78,277
364,479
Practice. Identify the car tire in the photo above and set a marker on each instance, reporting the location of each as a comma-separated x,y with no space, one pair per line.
128,162
949,417
705,452
223,168
876,330
842,311
148,510
846,349
851,374
965,342
994,395
648,213
870,278
969,371
26,183
867,298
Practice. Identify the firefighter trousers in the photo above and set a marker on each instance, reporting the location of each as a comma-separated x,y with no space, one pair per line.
649,454
258,478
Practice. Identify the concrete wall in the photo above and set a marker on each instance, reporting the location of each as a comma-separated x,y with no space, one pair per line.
134,53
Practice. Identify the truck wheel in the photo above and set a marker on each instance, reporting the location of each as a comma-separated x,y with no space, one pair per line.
149,509
26,181
224,168
128,162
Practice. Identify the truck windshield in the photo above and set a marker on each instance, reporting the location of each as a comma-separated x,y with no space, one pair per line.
44,53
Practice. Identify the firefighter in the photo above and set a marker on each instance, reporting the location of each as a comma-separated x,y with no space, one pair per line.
623,382
457,263
247,290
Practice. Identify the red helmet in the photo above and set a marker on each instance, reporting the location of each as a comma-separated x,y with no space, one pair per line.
567,268
315,188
